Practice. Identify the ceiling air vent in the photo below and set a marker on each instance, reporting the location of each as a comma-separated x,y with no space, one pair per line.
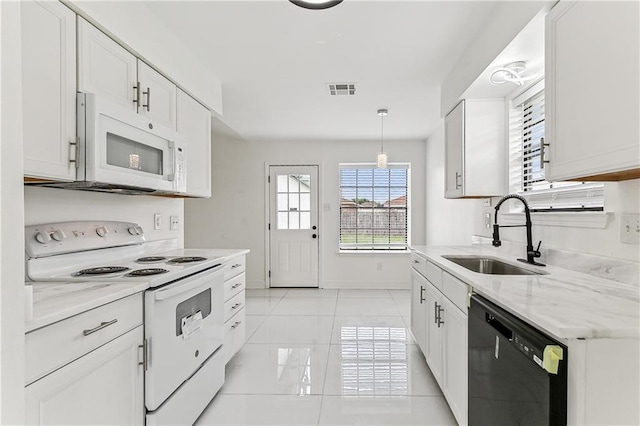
336,89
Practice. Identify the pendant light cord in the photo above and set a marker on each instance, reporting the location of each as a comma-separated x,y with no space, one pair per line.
382,133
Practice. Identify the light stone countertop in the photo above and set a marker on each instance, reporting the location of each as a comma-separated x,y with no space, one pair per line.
564,303
55,301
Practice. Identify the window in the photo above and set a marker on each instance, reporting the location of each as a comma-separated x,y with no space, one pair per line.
528,158
374,207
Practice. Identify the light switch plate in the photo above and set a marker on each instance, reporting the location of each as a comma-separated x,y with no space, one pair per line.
630,228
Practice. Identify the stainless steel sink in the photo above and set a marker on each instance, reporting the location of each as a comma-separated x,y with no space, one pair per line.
488,265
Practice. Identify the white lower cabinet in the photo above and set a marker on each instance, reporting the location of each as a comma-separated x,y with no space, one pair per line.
101,385
234,313
445,329
418,308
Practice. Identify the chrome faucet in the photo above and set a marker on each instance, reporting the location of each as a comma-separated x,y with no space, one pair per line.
531,253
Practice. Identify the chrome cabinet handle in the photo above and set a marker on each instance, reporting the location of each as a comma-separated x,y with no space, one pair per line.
236,306
416,261
542,147
236,324
73,151
237,265
100,327
435,312
148,104
421,294
440,321
458,176
236,285
136,93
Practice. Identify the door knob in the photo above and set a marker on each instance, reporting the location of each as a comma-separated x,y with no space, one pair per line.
314,236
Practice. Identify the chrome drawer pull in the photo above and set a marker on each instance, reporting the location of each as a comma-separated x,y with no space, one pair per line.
236,324
100,327
236,286
237,265
236,306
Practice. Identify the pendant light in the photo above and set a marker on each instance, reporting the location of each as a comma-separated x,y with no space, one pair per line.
381,159
316,4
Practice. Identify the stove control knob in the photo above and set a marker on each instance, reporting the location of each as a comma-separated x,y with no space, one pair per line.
42,237
58,235
135,230
101,231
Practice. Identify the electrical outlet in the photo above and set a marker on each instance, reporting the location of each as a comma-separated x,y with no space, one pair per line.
487,220
630,228
157,221
174,223
486,202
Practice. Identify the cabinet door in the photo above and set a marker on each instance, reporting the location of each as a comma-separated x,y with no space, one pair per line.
194,121
454,149
433,353
103,387
454,359
418,308
157,96
104,67
592,86
48,89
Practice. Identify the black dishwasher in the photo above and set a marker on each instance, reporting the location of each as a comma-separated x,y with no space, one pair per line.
517,374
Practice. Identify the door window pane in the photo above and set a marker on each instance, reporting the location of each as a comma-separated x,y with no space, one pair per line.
293,198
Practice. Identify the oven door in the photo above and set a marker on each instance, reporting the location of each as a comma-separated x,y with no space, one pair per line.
184,325
120,147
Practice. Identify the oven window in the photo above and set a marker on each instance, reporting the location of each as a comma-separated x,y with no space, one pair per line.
128,154
200,302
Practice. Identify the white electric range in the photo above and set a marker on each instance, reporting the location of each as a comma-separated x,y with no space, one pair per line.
183,307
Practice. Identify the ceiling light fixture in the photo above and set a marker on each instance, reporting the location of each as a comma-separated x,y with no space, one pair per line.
316,4
381,159
513,72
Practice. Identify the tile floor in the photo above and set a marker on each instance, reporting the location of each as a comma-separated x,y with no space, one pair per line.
328,357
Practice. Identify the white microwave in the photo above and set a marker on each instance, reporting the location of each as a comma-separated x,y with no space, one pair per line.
121,151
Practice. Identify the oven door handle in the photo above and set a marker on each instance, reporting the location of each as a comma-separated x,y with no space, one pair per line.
176,289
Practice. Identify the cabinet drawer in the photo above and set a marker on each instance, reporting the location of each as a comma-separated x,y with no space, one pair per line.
51,347
235,335
233,305
455,290
235,267
430,271
234,286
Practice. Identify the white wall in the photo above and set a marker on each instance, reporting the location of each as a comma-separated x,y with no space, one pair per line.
45,205
235,215
448,222
11,221
136,26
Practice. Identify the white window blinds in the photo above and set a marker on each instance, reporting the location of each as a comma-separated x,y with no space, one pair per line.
527,160
374,207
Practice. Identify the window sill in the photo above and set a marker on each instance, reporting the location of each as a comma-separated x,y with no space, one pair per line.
596,220
382,252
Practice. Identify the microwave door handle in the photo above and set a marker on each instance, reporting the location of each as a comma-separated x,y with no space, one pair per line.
172,150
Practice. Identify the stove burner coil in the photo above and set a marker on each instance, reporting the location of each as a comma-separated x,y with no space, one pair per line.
101,270
189,259
146,272
151,259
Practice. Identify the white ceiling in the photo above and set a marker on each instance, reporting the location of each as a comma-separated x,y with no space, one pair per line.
274,60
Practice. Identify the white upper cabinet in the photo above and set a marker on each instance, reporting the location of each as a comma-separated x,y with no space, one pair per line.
48,90
157,96
592,105
474,149
194,122
105,68
111,71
